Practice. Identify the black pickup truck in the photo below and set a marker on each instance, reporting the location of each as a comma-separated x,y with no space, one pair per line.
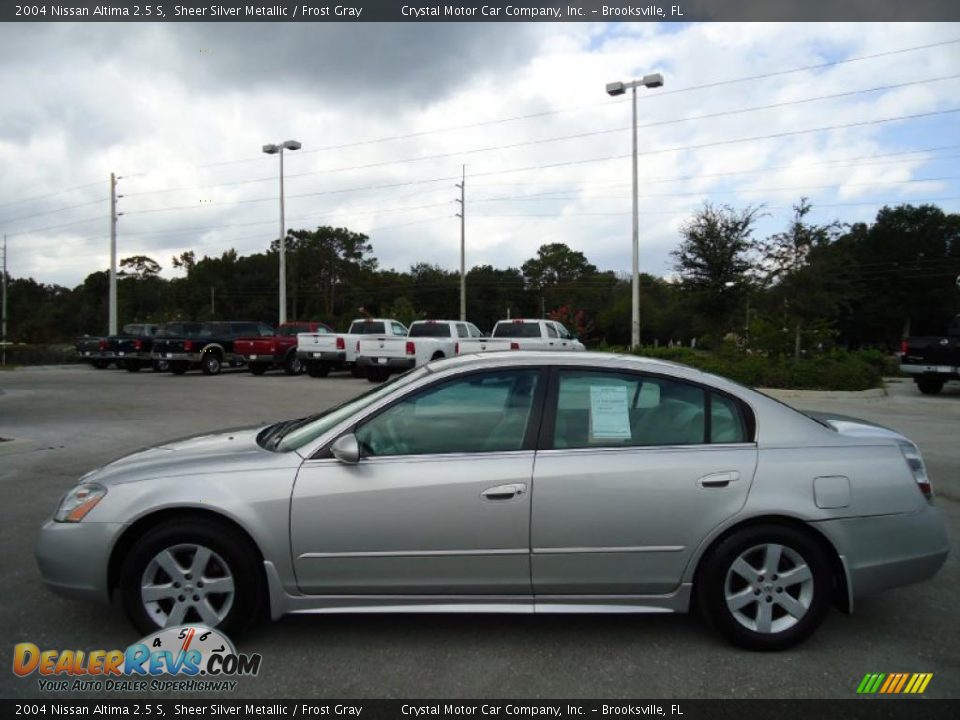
932,359
136,352
208,346
102,351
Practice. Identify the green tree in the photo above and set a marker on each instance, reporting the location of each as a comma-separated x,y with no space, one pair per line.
713,261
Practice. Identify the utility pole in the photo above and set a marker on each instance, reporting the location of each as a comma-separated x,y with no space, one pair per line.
3,351
212,306
463,245
112,322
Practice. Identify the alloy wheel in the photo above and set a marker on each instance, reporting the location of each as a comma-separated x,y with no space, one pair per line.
187,583
769,588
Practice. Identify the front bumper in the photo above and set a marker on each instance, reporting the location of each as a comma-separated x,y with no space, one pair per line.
73,557
888,551
390,363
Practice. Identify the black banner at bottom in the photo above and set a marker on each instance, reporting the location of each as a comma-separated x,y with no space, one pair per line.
888,709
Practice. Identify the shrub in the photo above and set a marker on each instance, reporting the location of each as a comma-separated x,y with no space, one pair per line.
24,354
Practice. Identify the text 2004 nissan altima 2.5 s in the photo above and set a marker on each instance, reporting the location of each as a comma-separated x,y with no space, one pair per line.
511,482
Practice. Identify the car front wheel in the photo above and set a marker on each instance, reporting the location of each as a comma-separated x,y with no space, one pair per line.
766,587
930,385
191,571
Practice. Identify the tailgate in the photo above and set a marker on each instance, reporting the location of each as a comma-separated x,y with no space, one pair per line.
479,345
932,350
383,346
314,342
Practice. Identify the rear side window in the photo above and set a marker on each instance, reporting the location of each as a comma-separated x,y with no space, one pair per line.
516,330
609,409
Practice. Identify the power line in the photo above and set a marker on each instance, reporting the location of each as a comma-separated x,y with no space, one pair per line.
50,194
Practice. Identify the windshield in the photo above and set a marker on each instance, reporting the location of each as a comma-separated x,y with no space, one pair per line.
306,430
429,330
517,330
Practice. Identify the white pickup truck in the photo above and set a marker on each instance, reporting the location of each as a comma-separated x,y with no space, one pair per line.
427,340
323,352
519,334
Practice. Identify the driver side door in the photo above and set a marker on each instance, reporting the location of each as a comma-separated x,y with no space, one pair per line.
439,503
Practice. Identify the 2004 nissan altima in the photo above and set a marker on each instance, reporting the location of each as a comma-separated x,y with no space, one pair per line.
511,482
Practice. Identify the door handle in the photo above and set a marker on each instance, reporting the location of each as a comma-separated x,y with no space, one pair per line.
718,480
504,492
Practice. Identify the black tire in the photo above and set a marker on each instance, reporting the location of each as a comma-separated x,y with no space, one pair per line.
930,385
132,365
356,371
161,366
293,365
233,548
100,364
258,368
179,367
712,586
210,363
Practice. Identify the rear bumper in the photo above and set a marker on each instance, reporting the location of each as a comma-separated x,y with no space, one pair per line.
175,356
328,356
915,369
390,363
97,354
889,551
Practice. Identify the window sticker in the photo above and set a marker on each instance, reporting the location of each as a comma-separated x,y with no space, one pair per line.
609,417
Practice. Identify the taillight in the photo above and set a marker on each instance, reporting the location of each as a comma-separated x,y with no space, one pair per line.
342,344
904,346
187,345
911,453
456,348
358,346
103,345
514,346
411,348
138,344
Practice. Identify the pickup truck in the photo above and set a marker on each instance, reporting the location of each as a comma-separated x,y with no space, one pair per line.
323,352
382,355
279,350
932,359
208,347
521,334
102,351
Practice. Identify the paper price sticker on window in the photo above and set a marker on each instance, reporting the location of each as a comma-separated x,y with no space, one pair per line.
609,417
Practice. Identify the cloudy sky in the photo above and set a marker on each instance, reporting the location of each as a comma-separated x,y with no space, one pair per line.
388,114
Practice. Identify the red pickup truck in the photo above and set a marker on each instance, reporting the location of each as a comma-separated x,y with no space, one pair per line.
278,350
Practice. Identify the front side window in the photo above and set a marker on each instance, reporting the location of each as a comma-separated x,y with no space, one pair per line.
611,409
462,330
483,412
551,331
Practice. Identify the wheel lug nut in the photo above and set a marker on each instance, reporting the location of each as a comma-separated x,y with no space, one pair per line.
181,598
196,597
189,577
774,577
757,591
199,584
176,584
779,590
769,599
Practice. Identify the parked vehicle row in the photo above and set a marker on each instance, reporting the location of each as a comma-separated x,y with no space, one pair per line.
374,348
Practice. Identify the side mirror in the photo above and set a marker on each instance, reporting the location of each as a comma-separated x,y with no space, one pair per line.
346,449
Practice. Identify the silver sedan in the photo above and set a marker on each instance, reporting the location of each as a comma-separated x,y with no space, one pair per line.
511,482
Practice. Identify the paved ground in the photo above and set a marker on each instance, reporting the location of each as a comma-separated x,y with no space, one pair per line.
67,421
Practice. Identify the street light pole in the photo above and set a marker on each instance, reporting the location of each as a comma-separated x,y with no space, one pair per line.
112,293
619,88
278,150
463,245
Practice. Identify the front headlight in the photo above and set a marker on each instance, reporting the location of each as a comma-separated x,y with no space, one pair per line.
78,502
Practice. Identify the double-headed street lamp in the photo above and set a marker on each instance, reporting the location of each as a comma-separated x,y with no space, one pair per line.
619,88
274,150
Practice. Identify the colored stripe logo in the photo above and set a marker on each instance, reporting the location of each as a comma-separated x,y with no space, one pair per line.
894,683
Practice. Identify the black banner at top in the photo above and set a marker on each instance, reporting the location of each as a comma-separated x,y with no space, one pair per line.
482,11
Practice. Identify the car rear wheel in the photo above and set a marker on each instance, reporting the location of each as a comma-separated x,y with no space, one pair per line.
765,587
211,365
191,571
294,365
258,368
930,386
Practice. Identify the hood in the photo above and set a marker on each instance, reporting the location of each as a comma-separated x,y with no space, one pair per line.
856,427
221,452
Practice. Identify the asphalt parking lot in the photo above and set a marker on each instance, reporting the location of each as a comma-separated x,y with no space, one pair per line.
66,421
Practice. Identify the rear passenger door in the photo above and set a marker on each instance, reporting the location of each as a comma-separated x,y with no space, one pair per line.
633,471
